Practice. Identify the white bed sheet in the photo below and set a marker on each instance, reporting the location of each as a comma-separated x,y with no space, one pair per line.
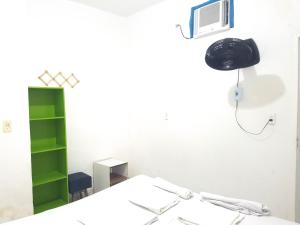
116,199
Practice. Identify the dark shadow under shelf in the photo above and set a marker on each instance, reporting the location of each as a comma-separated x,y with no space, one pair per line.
116,178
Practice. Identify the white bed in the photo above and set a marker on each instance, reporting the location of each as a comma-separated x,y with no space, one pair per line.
111,207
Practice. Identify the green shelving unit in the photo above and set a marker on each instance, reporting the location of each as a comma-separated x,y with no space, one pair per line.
48,148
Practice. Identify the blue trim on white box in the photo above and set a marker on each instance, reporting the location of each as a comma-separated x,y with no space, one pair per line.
231,19
192,24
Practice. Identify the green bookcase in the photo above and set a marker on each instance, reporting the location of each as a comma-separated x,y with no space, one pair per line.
48,148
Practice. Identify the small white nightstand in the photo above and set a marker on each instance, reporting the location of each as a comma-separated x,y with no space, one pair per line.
109,172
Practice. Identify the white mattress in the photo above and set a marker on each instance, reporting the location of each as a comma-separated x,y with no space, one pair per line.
114,201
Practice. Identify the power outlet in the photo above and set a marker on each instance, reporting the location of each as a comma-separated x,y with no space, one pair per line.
272,119
6,126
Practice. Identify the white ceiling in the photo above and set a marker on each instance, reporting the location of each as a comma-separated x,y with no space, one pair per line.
119,7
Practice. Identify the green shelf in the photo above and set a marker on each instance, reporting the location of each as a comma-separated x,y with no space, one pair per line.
48,148
46,102
47,196
49,205
45,133
48,167
37,150
47,178
47,118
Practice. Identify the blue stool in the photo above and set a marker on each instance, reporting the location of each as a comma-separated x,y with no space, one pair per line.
78,183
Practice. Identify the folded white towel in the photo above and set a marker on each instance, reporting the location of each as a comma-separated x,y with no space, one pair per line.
196,212
167,186
241,205
153,199
119,213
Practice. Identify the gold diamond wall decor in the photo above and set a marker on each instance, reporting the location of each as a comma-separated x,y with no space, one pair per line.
72,80
46,78
59,79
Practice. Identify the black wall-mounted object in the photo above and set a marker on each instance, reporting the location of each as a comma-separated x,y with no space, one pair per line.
232,53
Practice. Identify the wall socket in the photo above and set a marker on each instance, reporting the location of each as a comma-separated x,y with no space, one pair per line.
6,126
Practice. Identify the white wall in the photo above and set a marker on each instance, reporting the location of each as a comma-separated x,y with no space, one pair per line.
297,209
15,179
157,75
200,145
59,35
